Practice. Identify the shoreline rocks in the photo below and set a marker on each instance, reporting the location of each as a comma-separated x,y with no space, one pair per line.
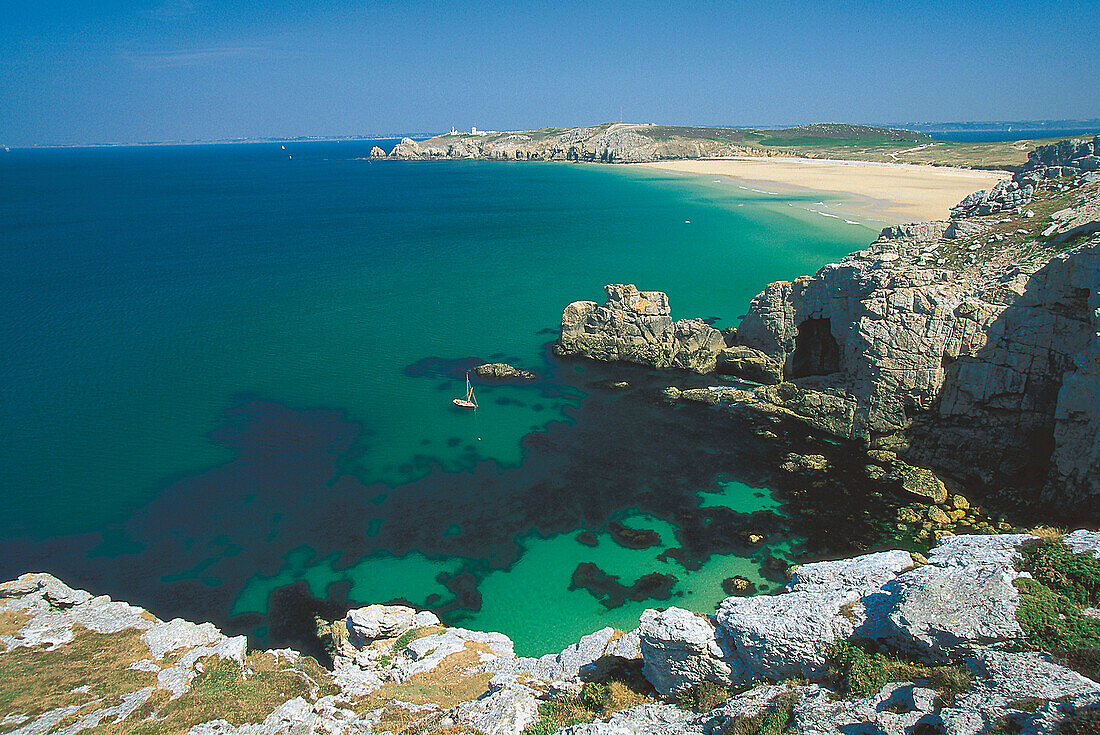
971,348
958,607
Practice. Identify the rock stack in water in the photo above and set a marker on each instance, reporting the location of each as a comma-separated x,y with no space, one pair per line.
636,326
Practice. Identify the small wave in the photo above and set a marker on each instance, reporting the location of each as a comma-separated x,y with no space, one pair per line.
853,223
826,214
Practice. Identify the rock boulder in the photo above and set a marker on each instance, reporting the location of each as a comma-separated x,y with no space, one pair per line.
636,326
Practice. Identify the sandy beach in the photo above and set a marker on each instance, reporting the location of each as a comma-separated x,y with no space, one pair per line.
890,192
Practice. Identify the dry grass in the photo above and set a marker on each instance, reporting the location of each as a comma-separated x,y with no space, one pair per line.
12,621
451,682
598,700
34,680
448,684
1007,155
1047,532
221,692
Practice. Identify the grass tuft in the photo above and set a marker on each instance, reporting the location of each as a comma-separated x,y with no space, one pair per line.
1052,562
703,697
858,671
1051,601
773,720
598,700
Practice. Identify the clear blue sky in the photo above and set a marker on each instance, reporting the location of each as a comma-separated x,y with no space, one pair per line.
98,70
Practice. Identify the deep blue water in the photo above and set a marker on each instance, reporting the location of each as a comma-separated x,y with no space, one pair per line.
226,376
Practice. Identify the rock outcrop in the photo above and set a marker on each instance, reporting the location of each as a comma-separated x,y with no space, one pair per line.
983,363
503,371
1067,158
636,326
116,665
609,143
971,347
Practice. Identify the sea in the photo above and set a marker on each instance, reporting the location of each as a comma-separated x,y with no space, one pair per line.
227,372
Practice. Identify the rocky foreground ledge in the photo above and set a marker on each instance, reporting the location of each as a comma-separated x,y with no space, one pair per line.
970,346
987,634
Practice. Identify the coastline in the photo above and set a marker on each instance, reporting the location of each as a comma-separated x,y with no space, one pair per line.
890,192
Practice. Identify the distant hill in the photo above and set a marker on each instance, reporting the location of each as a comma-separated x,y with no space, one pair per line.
635,143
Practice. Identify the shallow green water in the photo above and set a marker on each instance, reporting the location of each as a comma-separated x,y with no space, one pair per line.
153,292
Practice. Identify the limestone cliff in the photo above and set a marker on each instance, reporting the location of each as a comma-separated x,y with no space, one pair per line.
955,641
608,143
970,346
636,326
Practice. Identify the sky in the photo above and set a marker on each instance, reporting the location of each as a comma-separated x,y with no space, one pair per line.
96,71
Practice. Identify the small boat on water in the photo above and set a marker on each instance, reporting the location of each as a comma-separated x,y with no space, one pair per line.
469,402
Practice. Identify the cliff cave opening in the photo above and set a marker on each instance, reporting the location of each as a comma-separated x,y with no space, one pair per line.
815,350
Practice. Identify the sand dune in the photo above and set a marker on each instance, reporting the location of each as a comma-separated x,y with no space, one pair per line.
892,192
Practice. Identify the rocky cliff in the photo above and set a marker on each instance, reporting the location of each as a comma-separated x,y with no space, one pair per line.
635,143
959,643
971,346
636,326
609,143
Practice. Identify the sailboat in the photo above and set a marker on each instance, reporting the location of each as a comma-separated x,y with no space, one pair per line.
469,402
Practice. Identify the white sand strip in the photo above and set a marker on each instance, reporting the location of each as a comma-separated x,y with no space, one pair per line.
892,192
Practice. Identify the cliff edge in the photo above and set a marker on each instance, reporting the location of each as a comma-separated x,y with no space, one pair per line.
988,633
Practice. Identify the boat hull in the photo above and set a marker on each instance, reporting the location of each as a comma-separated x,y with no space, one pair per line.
464,404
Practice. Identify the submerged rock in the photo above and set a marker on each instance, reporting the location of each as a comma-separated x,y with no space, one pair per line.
959,609
633,538
738,586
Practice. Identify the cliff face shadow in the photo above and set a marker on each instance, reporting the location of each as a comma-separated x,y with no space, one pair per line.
1018,419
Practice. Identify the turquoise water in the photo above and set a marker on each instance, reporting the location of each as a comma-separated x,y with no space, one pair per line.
227,371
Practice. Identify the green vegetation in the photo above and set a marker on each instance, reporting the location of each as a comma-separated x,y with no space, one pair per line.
558,713
1053,563
773,720
597,700
409,636
33,680
405,639
859,671
1052,621
221,692
1051,603
703,697
1083,722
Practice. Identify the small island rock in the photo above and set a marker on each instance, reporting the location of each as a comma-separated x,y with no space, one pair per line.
503,371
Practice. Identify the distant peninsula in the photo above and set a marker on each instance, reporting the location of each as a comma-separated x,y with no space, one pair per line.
644,143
